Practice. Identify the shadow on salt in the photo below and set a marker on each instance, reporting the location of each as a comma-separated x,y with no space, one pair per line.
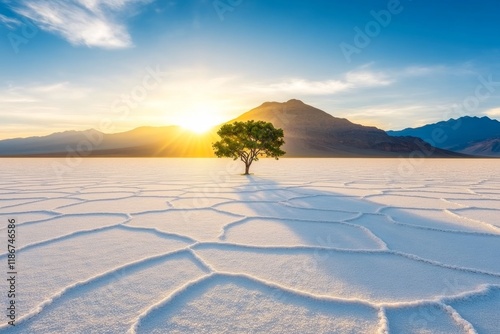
325,245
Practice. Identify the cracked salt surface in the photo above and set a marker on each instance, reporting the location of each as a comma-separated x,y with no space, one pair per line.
303,246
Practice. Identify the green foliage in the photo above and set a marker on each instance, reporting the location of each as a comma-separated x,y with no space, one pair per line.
249,140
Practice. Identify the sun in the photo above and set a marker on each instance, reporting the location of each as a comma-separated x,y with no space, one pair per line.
199,119
198,124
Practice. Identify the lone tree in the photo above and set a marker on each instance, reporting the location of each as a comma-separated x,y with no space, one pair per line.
249,140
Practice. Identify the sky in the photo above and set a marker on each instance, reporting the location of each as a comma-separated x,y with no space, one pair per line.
114,65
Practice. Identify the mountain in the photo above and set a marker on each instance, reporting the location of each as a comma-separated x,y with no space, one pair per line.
486,148
457,134
309,132
171,141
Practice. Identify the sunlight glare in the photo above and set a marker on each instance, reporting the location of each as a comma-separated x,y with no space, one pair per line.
200,119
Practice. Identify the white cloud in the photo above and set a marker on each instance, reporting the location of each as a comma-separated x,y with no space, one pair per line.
367,78
9,22
391,116
49,88
14,95
464,69
495,113
42,108
42,93
423,70
302,86
349,81
13,98
93,23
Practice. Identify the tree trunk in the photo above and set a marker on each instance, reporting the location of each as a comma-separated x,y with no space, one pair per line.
247,168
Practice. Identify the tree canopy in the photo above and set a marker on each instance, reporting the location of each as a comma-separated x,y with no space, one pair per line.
248,141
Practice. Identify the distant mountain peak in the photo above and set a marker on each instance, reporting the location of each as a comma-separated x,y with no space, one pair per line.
290,113
287,103
485,118
294,101
458,134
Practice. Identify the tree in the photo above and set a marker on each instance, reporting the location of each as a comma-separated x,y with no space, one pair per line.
249,140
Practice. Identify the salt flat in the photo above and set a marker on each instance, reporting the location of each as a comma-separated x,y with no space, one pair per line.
300,246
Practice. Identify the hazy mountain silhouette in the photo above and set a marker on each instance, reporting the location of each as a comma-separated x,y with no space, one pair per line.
487,148
168,141
459,135
309,132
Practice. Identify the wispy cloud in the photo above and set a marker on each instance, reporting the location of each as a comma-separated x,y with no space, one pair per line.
40,93
466,68
367,78
350,80
34,108
418,71
388,116
303,86
13,98
93,23
9,22
494,113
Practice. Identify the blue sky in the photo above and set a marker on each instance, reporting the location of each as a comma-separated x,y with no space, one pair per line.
77,64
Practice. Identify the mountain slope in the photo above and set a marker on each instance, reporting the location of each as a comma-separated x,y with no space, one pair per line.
486,148
56,142
455,134
171,141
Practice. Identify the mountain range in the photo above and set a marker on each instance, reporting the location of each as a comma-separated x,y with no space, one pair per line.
167,141
309,132
468,135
